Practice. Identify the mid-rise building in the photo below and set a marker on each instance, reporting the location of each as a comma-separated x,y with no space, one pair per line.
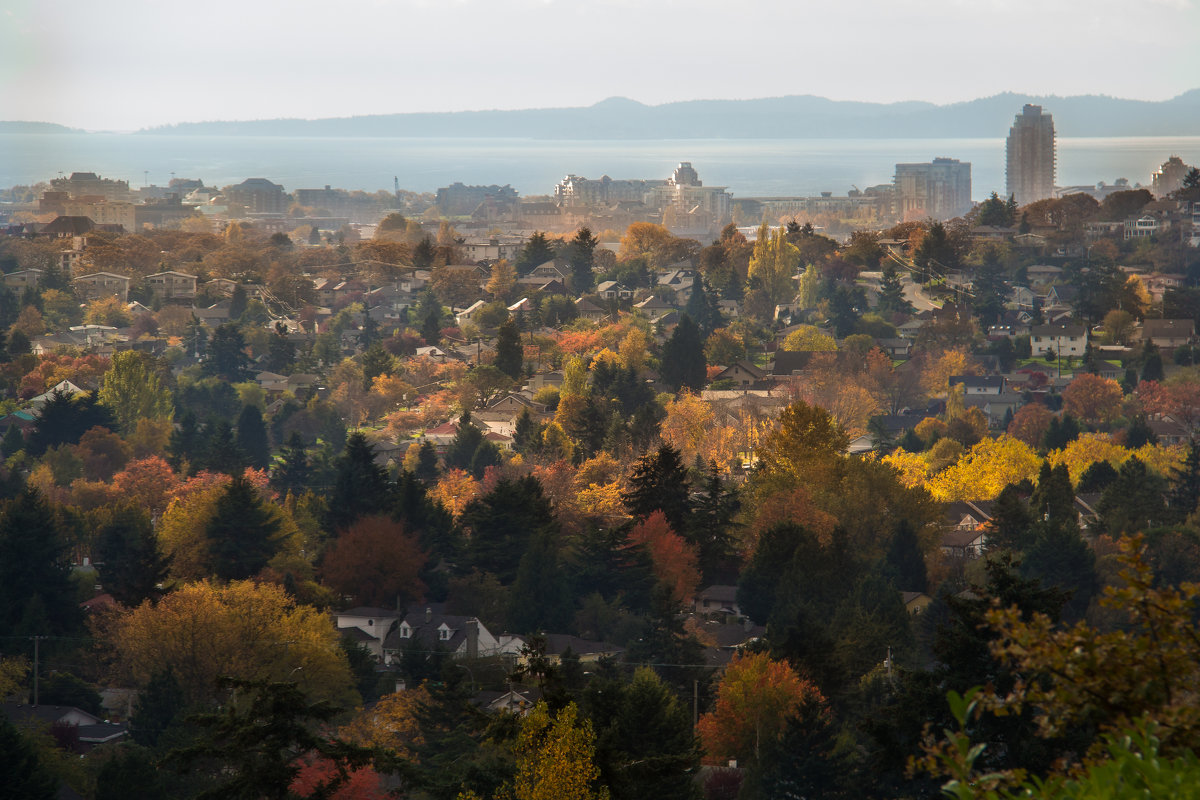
1169,177
458,200
258,196
1030,170
940,189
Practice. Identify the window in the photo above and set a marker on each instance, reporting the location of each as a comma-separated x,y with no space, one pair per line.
444,634
405,631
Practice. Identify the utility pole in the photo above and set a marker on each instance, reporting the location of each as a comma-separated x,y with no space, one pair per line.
695,703
36,653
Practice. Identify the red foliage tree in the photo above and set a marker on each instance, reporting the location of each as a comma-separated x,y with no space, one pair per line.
674,559
376,562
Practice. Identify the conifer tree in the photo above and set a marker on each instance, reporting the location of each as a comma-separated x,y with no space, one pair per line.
891,292
660,483
683,364
466,441
427,462
1184,493
132,566
510,354
581,254
360,486
243,534
35,570
292,473
252,438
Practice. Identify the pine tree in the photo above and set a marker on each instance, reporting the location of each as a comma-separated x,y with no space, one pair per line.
537,251
660,483
281,353
501,523
510,354
1184,493
131,564
360,487
527,435
905,561
1012,521
683,364
581,254
13,441
226,357
466,441
25,774
711,531
184,446
63,419
891,293
252,437
427,462
243,534
541,599
429,312
35,571
702,308
220,451
292,473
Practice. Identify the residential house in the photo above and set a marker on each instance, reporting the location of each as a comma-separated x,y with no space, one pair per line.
611,290
742,374
468,314
915,602
717,599
965,535
1060,339
272,382
367,626
1169,333
170,285
896,348
461,637
588,651
589,310
23,279
84,730
974,385
99,285
1145,226
1042,273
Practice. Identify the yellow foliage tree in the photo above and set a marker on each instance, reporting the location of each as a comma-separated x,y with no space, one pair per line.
985,469
687,424
808,339
455,489
1087,450
911,468
633,349
246,630
555,757
391,723
774,263
937,372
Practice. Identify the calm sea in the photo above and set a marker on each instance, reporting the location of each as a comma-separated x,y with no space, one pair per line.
770,167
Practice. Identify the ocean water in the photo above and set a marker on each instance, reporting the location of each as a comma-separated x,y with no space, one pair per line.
748,167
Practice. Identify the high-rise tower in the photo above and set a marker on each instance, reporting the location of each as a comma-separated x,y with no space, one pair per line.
1031,156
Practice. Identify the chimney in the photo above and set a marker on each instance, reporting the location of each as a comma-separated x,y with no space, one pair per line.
473,638
428,614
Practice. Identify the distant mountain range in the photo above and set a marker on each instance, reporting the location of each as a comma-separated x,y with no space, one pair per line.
35,127
793,117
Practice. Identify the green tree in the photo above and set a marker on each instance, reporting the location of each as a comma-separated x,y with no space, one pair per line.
26,776
540,598
773,264
537,251
243,534
660,483
158,707
37,596
132,566
254,746
64,419
683,364
429,312
581,255
293,471
226,357
252,438
891,293
1134,501
360,487
510,354
502,524
132,389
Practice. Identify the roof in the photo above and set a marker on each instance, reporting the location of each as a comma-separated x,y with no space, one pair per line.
1152,328
981,381
1060,329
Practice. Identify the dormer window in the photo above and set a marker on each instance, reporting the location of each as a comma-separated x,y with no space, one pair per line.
405,631
443,633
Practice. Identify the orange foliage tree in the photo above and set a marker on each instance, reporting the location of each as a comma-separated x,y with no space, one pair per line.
674,560
755,699
1030,423
375,561
1093,398
147,483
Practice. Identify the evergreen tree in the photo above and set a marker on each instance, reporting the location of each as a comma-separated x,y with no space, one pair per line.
25,775
360,487
243,534
716,507
424,253
293,472
466,441
35,571
510,354
537,251
1053,501
427,462
905,561
540,598
683,364
238,302
64,419
429,312
502,522
281,353
581,255
486,455
252,437
185,445
1061,559
891,293
1012,521
220,451
13,441
1096,477
1139,433
158,707
660,483
527,435
1060,433
131,772
1152,363
131,564
702,308
1184,493
226,357
1134,501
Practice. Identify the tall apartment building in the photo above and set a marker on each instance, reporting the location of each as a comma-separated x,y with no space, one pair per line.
940,189
1031,161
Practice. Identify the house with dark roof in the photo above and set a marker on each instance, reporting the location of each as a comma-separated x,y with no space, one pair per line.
83,730
460,636
991,385
1168,333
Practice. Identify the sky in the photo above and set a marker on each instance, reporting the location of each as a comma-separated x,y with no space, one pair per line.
129,64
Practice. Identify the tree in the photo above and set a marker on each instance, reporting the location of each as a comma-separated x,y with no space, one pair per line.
251,437
25,774
540,597
773,264
755,699
255,745
502,524
132,566
243,533
503,279
375,561
159,704
581,255
293,471
242,629
891,293
1134,501
674,560
1093,398
510,354
226,356
64,419
36,593
702,308
660,483
537,251
683,357
132,390
555,757
360,486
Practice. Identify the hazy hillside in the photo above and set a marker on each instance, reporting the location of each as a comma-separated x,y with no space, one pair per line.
35,127
800,116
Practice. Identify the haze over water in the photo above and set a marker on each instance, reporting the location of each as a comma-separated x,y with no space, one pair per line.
748,167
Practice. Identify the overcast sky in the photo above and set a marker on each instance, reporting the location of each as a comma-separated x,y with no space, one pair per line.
127,64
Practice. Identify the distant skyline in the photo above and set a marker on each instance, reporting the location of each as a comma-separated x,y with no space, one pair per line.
131,64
